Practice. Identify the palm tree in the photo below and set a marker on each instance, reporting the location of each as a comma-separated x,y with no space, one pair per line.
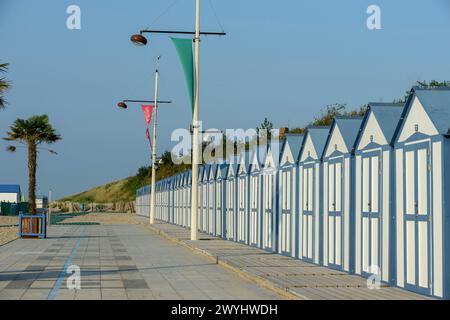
4,85
32,132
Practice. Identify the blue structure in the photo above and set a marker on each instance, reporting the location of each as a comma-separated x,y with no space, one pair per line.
338,220
366,196
422,177
231,198
10,193
243,193
310,196
287,189
269,216
256,195
374,244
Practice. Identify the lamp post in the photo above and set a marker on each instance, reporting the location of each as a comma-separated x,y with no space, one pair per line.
140,40
123,105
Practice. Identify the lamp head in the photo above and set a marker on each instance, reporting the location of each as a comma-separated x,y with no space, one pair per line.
139,40
122,105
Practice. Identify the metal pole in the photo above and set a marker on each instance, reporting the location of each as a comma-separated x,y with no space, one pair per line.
195,142
155,115
49,210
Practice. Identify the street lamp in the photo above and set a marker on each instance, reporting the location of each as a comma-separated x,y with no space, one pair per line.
140,40
123,105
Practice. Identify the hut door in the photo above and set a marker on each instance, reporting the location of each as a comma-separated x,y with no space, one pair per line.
268,210
230,210
241,212
335,217
417,217
254,220
308,217
219,204
370,216
286,210
211,204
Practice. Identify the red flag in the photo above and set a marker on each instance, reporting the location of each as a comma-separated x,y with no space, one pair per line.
148,110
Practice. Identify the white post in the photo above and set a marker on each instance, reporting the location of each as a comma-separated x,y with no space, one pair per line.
195,137
155,115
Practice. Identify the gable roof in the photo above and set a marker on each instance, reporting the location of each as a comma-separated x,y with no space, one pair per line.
319,136
436,102
388,116
349,127
295,142
259,153
244,159
9,188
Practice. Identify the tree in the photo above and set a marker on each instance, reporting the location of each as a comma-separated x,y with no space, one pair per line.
32,132
264,131
4,85
424,85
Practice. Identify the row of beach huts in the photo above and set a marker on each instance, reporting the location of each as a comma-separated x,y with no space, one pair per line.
368,195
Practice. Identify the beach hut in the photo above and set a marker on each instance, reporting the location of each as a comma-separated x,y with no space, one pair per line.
179,212
256,198
309,229
373,194
287,189
171,199
204,184
338,222
175,179
422,174
187,197
212,201
269,218
231,199
220,174
243,197
167,200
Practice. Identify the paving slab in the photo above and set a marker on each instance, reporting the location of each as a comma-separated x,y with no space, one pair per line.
116,262
281,273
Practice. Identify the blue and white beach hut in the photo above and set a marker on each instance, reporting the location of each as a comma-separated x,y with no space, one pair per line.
309,229
180,199
287,189
231,198
256,195
187,197
373,194
204,184
220,201
269,215
176,181
422,175
243,197
338,240
212,201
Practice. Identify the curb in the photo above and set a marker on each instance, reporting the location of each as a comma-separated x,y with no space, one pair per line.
283,291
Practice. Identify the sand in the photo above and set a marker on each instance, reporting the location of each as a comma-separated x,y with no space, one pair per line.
103,218
8,234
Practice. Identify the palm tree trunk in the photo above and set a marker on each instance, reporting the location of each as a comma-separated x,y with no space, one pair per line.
32,155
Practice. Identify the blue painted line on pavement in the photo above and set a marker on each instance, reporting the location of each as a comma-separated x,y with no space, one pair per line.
52,295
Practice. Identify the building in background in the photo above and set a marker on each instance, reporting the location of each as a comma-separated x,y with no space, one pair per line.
10,193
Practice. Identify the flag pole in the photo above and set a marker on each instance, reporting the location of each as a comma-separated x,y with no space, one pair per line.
195,137
155,123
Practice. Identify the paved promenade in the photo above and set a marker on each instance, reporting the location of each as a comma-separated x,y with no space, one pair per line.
303,280
117,262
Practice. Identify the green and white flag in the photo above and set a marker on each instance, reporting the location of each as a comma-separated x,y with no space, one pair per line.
184,50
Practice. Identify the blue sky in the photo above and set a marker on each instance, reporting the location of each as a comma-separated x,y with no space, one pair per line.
284,60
